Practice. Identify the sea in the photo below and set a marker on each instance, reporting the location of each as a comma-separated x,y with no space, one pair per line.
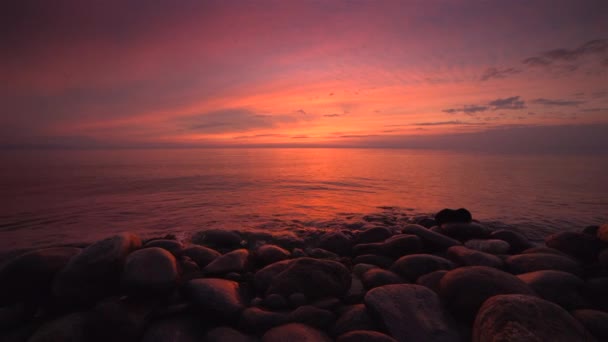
57,197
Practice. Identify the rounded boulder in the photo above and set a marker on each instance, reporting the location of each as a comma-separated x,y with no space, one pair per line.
149,271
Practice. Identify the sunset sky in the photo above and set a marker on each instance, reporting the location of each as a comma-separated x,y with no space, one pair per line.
290,73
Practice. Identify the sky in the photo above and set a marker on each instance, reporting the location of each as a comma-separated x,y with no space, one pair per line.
432,73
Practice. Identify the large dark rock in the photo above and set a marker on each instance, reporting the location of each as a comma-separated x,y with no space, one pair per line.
596,322
29,276
411,267
264,277
149,271
96,271
602,232
295,332
525,318
268,254
375,234
517,241
218,238
354,318
465,231
394,246
410,313
465,289
312,316
596,292
314,278
336,242
224,334
453,216
559,287
579,245
173,246
432,280
72,327
119,319
379,277
215,297
491,246
365,336
259,320
431,240
235,261
202,256
320,253
467,257
373,259
603,258
525,263
175,329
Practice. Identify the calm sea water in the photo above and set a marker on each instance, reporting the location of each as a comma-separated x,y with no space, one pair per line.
55,197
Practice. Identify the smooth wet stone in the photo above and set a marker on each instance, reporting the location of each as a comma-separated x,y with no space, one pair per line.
410,313
402,244
95,271
225,334
517,241
312,277
297,299
298,253
29,276
376,234
295,332
149,271
491,246
432,280
275,302
432,240
578,245
542,250
596,292
365,336
525,263
218,238
526,318
411,267
355,317
426,222
336,242
173,246
603,258
465,231
264,277
320,253
446,216
312,316
329,303
188,269
467,257
464,289
359,269
175,329
235,261
72,327
259,320
12,316
379,277
268,254
591,230
602,232
201,255
561,288
216,297
119,320
595,321
372,259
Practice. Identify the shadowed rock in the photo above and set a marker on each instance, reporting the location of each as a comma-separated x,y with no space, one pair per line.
72,327
465,231
490,246
596,322
29,276
96,271
394,246
581,246
149,271
223,334
467,257
376,234
372,259
561,288
268,254
202,256
526,318
175,247
218,238
410,313
379,277
235,261
336,242
295,332
447,216
175,329
264,277
432,280
354,318
215,297
314,278
411,267
259,320
596,292
542,250
525,263
517,241
365,336
602,232
465,289
432,240
312,316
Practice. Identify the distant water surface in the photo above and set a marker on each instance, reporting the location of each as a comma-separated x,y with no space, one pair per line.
54,197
